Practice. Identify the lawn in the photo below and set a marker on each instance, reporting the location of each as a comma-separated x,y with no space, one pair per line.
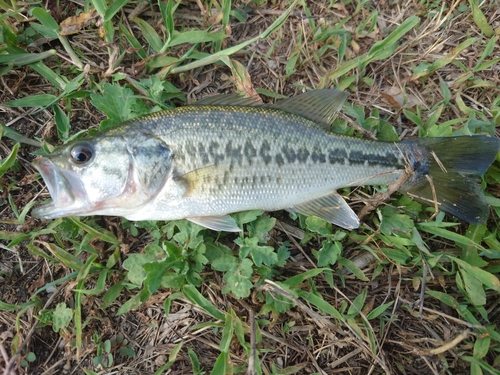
408,292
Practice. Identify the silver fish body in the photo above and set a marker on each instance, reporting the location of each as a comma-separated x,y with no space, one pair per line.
203,162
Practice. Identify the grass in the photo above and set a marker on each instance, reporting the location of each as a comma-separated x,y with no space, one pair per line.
290,295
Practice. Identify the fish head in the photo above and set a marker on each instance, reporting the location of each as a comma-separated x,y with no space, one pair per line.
104,175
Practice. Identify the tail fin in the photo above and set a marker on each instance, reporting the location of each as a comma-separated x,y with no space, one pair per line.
454,165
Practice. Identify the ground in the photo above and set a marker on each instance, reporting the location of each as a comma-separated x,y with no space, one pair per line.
406,298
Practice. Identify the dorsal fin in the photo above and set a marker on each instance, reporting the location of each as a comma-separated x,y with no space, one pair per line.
229,100
320,106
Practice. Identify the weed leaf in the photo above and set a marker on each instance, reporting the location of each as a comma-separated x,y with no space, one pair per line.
61,317
115,102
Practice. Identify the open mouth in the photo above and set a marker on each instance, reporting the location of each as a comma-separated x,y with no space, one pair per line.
65,188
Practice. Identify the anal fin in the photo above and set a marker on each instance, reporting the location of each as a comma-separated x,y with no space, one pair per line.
332,208
223,223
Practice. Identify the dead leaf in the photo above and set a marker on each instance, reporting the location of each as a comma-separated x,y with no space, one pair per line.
395,101
355,47
341,8
242,80
74,24
398,99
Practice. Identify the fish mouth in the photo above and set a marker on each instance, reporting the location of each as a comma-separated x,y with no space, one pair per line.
67,192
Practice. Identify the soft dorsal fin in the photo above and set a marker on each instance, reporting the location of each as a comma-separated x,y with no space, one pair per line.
332,208
229,100
320,106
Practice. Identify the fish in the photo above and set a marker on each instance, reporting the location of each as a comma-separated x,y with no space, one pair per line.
227,154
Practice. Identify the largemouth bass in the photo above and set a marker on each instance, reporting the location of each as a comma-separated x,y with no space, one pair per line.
226,154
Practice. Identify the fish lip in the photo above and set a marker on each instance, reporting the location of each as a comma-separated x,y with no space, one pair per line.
67,193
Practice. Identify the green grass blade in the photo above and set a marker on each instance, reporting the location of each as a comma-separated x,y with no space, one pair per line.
195,362
25,58
443,61
488,51
490,369
100,6
276,25
101,234
114,8
167,13
9,161
67,46
62,123
14,135
197,298
41,100
51,27
296,280
150,35
112,294
171,359
194,35
226,11
386,47
51,76
227,332
42,69
13,307
101,281
487,64
220,366
321,304
378,310
452,236
480,19
475,233
343,69
70,276
444,297
231,50
78,319
69,260
488,279
133,41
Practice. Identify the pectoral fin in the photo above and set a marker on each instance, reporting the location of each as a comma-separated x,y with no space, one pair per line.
197,180
223,223
332,208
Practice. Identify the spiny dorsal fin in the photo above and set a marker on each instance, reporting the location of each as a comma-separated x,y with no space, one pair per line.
332,208
229,100
320,106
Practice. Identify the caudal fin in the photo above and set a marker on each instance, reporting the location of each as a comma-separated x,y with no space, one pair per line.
453,166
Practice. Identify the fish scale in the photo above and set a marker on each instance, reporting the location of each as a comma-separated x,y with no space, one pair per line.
205,161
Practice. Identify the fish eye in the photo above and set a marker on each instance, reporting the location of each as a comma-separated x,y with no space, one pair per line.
81,153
